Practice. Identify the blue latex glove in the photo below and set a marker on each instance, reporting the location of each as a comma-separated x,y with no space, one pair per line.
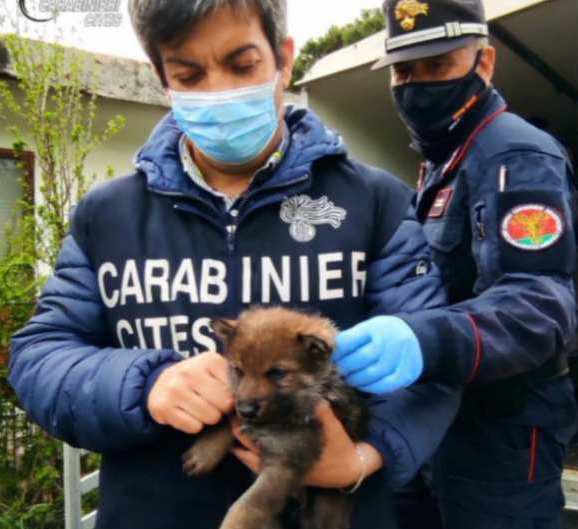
380,355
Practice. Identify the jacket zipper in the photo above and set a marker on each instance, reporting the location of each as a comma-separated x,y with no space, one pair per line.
231,235
275,187
231,229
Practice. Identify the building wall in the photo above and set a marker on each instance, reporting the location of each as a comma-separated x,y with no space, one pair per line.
358,105
119,151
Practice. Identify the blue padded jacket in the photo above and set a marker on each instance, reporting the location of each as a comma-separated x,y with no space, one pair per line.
151,257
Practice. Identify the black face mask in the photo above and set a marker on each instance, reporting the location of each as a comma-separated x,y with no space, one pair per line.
433,111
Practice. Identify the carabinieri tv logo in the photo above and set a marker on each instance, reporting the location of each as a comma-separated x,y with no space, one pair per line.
28,15
104,13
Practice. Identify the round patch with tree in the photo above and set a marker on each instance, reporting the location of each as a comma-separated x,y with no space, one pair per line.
532,227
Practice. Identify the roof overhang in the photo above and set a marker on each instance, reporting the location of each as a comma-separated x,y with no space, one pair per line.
535,72
119,78
371,49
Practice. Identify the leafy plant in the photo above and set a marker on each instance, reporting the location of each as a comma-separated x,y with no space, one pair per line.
51,110
370,22
57,109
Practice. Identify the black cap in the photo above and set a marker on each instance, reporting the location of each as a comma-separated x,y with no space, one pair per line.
423,28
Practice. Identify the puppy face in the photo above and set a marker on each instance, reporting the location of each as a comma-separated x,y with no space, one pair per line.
278,360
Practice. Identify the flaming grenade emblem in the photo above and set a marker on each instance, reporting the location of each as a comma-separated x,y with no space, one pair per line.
407,11
303,213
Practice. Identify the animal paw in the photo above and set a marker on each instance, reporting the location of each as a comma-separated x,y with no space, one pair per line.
210,448
200,460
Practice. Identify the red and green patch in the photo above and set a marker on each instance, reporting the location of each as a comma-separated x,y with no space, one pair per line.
532,227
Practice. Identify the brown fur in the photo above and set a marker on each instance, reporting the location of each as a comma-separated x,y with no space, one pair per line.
277,412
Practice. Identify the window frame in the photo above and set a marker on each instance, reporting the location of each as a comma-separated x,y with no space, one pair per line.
28,160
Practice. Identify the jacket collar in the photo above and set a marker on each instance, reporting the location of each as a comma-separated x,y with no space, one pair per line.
310,140
440,152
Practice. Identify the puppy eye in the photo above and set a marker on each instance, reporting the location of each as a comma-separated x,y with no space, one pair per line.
239,373
276,374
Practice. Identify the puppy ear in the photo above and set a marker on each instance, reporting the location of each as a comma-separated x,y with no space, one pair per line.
316,347
225,330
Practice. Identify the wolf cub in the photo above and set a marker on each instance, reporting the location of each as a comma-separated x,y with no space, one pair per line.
280,370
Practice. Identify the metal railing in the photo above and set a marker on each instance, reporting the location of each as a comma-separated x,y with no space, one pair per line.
75,487
16,432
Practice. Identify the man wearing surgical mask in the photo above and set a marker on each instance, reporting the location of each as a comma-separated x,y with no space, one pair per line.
235,201
495,196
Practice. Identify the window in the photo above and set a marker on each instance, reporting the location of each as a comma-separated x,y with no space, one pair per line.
12,173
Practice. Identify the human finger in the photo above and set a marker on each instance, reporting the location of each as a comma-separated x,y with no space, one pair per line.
349,341
248,458
214,392
195,405
218,368
387,385
358,360
183,421
245,441
368,376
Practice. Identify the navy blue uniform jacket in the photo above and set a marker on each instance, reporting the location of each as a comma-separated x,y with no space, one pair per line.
152,257
512,303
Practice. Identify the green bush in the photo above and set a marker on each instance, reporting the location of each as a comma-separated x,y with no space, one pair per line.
56,103
370,22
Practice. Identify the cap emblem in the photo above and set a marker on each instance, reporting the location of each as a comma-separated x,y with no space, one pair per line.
406,11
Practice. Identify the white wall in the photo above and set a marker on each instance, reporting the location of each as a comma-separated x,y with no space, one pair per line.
357,103
117,152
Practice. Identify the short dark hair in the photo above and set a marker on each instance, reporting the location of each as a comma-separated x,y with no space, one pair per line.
158,22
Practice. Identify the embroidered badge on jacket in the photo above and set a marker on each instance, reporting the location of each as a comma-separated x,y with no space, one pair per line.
532,227
406,11
303,214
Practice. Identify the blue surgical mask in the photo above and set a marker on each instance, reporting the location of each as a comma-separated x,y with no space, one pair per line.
232,127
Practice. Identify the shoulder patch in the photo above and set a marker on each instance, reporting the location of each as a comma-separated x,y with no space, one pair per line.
532,227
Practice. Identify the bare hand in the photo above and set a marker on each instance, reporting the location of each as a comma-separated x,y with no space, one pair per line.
339,465
192,394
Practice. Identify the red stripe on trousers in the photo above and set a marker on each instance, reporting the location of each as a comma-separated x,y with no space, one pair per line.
533,454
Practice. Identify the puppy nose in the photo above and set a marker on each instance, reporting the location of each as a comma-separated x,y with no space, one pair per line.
248,409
